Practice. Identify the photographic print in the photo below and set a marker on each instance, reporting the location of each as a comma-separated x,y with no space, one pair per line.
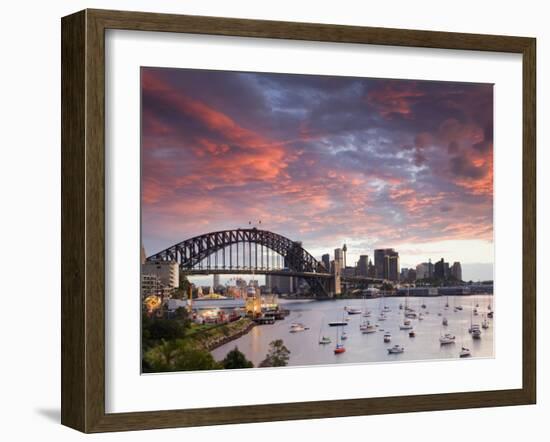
301,220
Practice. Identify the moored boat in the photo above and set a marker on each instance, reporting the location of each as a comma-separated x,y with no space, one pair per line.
447,338
396,349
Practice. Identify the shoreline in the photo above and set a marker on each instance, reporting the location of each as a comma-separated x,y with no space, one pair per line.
210,340
342,297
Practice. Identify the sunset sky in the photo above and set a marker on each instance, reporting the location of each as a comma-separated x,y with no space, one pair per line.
325,160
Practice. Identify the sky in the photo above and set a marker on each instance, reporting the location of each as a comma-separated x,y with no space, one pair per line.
326,160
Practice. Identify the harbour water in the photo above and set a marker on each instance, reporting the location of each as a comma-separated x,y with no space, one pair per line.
315,315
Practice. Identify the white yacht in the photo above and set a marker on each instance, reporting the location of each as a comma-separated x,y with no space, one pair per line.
367,328
297,327
396,349
447,338
445,322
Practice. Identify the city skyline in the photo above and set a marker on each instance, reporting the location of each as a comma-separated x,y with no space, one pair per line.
371,163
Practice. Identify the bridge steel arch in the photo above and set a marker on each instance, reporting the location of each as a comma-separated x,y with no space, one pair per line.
191,252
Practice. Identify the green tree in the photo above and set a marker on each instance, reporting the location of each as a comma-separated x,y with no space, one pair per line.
236,359
277,356
175,355
157,329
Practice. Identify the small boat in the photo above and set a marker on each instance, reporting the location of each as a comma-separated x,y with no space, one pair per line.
405,326
396,349
382,316
353,311
411,315
386,309
339,346
367,314
455,310
337,323
475,331
412,334
477,305
465,353
387,337
489,307
339,349
400,306
485,324
447,338
458,307
344,336
368,328
423,305
325,340
475,312
420,316
490,315
295,328
445,322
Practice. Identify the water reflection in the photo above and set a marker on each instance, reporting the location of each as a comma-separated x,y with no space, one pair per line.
315,316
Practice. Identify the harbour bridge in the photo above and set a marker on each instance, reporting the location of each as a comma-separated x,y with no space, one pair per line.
252,250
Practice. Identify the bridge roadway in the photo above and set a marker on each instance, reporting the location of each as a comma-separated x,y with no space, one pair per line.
279,272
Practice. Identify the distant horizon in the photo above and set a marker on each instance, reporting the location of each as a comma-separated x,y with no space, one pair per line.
325,160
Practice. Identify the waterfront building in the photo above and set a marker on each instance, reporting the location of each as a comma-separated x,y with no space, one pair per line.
150,285
458,290
456,271
417,291
167,272
363,266
326,261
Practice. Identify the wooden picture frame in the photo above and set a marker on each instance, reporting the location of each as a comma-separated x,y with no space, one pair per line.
83,220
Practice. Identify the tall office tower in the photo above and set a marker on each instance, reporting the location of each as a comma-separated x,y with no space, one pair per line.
325,259
363,266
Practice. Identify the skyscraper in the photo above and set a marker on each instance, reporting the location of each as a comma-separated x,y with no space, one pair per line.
386,263
379,262
391,267
456,271
363,265
439,269
325,259
338,265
